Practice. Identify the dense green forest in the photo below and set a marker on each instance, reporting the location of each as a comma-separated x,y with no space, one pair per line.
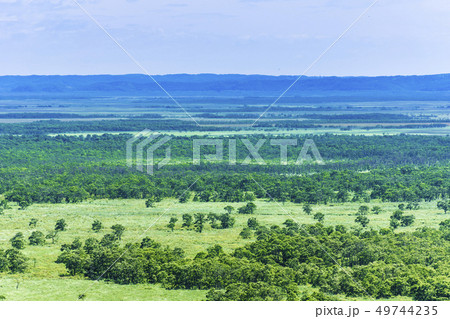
358,168
353,263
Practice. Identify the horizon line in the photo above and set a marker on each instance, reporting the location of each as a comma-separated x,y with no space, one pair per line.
227,74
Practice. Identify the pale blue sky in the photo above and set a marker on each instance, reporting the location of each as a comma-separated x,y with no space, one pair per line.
227,36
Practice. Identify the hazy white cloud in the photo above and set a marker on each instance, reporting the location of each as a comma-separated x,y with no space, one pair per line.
6,18
233,36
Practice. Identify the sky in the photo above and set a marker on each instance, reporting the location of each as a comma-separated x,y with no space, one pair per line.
396,37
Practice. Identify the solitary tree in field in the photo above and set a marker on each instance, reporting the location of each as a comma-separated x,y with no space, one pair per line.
53,235
251,207
319,217
97,225
307,209
60,225
226,221
33,222
187,220
18,241
412,205
246,233
252,223
247,209
363,210
17,261
398,214
399,219
172,223
199,221
118,231
363,220
376,210
213,218
407,220
37,238
229,209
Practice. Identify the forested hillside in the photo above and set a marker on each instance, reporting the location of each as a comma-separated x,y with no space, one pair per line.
430,87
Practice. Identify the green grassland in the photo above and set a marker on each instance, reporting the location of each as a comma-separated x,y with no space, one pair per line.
280,132
46,280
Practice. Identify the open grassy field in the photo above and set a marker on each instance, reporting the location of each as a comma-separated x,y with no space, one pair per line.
375,131
46,280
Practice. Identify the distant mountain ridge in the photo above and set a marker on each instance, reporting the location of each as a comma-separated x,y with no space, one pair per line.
436,86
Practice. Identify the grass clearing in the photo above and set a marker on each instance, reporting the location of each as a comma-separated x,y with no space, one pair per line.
280,132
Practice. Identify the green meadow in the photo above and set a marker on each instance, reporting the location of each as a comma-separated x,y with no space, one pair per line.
46,280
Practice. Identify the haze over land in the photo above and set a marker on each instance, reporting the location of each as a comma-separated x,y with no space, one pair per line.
429,87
